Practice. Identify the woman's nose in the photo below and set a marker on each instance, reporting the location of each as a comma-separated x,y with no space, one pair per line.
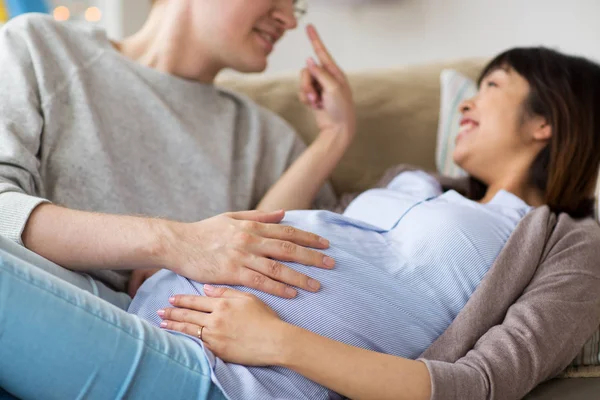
466,105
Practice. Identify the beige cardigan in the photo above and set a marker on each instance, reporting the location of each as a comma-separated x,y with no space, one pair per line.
530,315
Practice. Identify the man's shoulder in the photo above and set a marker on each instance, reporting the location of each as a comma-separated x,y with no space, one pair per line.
63,41
268,123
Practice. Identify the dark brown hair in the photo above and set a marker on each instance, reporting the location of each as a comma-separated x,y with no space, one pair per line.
565,90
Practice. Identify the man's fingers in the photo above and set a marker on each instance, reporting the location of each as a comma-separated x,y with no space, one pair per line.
273,217
294,235
318,45
321,75
308,92
287,251
284,274
259,281
217,292
322,53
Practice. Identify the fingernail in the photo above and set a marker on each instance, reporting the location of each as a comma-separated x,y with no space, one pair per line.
328,261
313,284
324,241
290,292
171,300
161,313
208,288
163,324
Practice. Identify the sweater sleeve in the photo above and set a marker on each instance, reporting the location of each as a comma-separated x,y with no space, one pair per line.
21,125
541,333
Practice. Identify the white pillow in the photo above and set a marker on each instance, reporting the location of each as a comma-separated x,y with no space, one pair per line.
455,87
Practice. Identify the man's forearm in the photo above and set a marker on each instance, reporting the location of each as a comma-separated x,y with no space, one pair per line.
81,240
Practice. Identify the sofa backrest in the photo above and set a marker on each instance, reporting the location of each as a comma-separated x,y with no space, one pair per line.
397,111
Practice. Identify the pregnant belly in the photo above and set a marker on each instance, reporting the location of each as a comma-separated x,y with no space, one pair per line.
359,303
363,302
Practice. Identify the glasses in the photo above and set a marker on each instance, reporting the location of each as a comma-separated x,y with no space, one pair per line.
300,8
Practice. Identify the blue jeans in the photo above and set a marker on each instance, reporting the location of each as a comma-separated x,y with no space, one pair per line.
65,336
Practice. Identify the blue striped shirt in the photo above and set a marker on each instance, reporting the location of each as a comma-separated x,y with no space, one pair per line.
408,258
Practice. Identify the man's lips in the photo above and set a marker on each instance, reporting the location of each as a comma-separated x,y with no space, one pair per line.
268,37
266,43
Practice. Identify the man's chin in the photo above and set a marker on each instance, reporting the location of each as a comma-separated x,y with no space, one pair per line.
253,67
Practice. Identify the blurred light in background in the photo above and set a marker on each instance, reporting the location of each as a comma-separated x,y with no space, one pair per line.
61,13
61,10
93,14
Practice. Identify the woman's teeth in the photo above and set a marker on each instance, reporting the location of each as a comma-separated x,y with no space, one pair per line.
466,127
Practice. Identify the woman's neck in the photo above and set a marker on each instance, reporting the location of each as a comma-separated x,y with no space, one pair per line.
167,43
520,186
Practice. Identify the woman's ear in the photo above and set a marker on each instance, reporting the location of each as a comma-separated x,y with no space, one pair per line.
542,130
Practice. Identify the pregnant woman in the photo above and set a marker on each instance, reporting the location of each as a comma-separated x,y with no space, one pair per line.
409,255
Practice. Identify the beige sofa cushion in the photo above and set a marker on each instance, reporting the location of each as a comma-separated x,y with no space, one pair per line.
397,113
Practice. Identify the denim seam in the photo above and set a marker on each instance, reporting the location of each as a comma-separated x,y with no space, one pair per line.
15,273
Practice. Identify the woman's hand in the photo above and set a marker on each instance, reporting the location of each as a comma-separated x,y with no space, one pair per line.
237,326
241,249
326,90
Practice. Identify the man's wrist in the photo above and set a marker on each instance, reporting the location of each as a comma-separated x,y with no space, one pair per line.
335,139
161,241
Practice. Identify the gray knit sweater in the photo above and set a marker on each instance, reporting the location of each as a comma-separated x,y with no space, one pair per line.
86,128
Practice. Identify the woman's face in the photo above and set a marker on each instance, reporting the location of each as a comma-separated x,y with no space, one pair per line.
497,137
240,34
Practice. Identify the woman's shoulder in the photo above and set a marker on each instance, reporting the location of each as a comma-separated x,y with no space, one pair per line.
568,242
581,231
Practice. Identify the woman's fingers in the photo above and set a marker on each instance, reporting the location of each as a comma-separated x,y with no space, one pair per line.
183,327
193,302
183,315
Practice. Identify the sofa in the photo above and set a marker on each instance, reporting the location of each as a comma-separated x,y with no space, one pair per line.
397,112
